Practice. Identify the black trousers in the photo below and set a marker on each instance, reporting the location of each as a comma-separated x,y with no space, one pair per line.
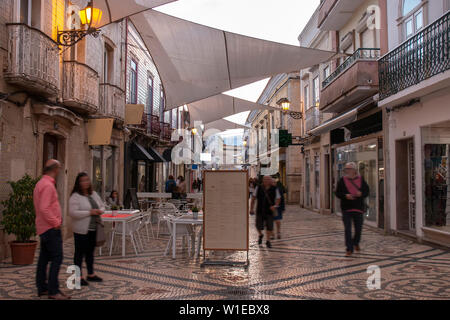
357,219
84,248
51,251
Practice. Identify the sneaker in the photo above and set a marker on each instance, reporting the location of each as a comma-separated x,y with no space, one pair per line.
348,254
43,293
260,240
94,279
268,244
357,249
279,236
84,282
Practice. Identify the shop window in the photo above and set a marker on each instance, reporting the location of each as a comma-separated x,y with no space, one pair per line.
437,180
150,94
104,169
365,155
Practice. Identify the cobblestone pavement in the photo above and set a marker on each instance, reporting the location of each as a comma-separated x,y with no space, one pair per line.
307,263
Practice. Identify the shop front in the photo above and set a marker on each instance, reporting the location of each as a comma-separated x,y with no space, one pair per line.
368,156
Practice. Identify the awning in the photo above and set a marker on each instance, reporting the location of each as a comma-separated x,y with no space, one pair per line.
115,10
196,62
167,155
138,152
342,120
156,155
221,106
224,125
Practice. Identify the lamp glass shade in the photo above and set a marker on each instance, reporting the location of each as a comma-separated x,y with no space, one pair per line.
194,131
91,16
286,105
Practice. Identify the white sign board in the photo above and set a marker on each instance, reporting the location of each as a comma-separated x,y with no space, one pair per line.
225,210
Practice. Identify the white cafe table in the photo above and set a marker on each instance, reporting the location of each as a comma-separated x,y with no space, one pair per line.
122,219
186,219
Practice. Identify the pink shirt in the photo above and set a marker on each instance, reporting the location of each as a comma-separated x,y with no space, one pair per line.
46,205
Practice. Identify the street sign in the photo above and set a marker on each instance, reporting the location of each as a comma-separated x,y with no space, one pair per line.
285,139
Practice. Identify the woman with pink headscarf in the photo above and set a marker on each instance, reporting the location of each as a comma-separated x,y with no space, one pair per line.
352,190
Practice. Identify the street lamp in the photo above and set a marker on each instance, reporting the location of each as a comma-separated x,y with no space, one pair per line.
194,131
89,17
285,105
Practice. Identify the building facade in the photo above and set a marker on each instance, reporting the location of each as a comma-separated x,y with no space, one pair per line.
414,95
342,121
49,93
289,166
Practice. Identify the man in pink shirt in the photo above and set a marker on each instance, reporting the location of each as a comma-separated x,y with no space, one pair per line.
48,227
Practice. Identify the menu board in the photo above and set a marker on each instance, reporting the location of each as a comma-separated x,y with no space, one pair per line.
225,210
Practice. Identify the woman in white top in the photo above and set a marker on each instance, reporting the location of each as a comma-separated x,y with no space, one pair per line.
85,208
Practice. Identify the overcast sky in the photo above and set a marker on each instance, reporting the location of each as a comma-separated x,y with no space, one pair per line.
275,20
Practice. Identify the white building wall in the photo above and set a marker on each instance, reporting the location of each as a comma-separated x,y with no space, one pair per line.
408,123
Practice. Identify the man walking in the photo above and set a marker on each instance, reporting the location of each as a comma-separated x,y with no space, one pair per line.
352,190
268,199
48,227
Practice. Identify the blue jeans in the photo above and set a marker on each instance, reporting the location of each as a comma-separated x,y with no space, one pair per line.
357,219
51,251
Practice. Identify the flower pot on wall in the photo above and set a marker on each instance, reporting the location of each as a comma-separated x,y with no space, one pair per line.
22,253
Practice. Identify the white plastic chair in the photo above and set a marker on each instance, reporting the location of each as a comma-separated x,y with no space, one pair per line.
146,221
181,231
131,231
164,209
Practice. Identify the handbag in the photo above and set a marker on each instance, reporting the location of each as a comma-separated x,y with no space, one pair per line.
268,200
365,206
100,236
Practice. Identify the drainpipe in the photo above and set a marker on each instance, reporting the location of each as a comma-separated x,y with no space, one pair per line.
125,144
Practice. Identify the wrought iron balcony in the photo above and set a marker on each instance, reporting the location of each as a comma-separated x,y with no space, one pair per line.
361,54
352,82
425,55
80,87
112,102
166,131
313,118
155,128
33,60
150,124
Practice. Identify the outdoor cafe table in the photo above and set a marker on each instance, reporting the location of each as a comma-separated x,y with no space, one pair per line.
186,219
121,216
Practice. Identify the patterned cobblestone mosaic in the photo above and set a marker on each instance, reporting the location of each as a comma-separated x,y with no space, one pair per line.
307,263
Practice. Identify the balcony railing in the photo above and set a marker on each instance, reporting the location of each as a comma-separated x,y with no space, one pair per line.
80,87
362,54
423,56
166,132
313,118
112,101
150,124
33,60
155,128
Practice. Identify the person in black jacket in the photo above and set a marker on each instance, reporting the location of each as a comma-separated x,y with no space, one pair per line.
352,190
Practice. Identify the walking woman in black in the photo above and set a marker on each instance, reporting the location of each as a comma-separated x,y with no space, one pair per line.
352,190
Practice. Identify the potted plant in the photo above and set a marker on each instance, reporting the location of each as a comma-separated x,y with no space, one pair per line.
195,211
19,220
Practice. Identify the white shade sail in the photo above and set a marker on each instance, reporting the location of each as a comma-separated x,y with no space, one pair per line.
221,106
196,62
114,10
224,125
